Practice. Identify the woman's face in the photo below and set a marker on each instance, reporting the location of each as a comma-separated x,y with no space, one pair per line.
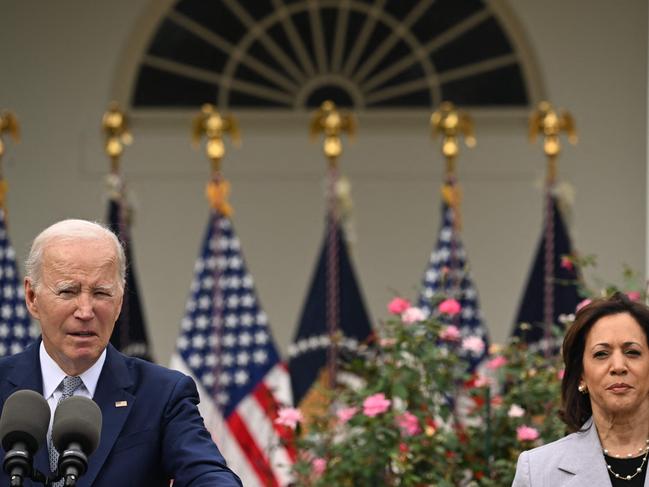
616,367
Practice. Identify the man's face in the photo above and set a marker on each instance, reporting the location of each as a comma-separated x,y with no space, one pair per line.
77,301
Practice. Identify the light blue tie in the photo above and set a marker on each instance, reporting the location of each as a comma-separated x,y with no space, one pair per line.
70,384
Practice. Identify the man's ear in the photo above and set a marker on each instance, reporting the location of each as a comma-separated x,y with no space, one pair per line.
119,308
30,298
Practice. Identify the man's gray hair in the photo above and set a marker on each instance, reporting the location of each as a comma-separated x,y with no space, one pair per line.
71,229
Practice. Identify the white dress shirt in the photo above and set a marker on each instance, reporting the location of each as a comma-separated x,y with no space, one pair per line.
53,375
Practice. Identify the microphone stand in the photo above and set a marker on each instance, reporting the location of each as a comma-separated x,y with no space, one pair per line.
39,477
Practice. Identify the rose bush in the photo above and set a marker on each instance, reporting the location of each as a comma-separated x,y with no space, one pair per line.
413,416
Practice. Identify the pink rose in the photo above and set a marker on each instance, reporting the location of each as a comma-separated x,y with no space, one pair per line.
633,295
412,315
583,303
473,344
451,334
408,424
561,373
289,417
388,342
566,263
375,404
398,306
482,381
515,411
318,465
496,362
450,307
526,433
345,414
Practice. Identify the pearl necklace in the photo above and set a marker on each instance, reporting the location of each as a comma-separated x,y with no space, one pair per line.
644,449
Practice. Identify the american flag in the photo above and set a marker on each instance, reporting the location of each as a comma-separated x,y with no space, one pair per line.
226,345
448,274
16,329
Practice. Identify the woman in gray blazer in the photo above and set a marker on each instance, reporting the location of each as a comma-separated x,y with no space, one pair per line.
605,402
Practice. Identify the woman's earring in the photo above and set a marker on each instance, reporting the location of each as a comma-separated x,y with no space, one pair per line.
582,388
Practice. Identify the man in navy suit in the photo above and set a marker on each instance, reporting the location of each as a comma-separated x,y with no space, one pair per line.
152,431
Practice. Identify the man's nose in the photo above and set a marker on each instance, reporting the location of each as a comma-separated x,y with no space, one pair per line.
85,305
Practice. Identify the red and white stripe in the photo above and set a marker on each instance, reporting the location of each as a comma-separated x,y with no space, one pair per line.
248,439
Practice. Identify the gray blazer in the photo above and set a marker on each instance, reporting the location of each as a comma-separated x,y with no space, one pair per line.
573,461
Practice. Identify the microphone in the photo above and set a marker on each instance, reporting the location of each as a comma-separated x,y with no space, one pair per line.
75,434
23,429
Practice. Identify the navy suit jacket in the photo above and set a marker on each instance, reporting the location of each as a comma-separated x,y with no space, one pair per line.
157,436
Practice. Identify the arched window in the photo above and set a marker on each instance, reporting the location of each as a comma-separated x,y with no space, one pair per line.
366,55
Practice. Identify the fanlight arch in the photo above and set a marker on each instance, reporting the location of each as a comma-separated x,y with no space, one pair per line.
367,55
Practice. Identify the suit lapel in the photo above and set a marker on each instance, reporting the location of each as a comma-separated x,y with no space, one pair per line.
584,459
112,388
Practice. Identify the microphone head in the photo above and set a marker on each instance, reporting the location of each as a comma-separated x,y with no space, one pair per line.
25,418
77,419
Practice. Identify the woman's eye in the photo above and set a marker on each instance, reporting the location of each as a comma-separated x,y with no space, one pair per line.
600,354
633,352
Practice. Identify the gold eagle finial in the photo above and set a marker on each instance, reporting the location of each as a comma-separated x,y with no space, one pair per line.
451,123
332,123
548,122
545,120
214,126
115,125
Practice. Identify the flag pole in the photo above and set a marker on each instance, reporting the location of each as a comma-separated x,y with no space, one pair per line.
20,330
451,123
9,125
214,126
332,122
116,130
546,121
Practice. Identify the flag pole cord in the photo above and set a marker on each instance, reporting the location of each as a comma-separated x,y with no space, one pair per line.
217,297
122,219
549,258
333,282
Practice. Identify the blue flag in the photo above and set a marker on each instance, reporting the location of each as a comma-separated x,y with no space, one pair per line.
16,329
308,352
448,274
565,294
129,335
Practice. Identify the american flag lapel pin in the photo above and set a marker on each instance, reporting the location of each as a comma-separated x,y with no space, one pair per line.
121,404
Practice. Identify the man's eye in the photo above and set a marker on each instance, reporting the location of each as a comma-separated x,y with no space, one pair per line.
66,292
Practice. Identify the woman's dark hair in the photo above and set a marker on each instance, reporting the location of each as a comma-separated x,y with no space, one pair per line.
575,406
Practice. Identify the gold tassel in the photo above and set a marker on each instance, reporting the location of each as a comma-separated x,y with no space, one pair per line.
217,193
4,188
452,196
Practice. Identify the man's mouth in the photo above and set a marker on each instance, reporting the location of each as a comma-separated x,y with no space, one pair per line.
83,334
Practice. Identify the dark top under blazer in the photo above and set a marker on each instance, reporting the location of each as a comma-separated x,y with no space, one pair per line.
158,435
